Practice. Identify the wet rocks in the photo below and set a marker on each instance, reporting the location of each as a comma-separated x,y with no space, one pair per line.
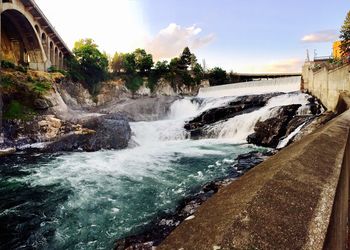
42,104
268,132
104,132
241,105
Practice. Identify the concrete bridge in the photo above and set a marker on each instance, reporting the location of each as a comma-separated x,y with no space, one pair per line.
28,38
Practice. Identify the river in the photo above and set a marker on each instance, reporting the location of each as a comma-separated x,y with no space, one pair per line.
87,200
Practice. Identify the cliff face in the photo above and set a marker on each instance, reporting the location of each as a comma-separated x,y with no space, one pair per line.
42,109
50,109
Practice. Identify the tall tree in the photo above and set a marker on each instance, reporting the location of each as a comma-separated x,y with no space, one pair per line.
143,61
93,64
345,37
129,63
117,62
185,59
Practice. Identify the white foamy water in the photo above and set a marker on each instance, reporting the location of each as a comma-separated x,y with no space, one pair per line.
239,127
286,140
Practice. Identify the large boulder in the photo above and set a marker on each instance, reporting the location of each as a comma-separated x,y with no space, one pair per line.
269,132
105,132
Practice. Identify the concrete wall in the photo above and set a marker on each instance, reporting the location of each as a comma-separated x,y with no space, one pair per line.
296,199
282,84
326,84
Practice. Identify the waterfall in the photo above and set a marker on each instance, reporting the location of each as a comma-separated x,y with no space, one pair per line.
235,129
239,127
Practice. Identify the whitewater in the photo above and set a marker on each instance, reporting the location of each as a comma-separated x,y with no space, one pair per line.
87,200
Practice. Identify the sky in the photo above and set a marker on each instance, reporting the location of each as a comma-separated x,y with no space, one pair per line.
245,36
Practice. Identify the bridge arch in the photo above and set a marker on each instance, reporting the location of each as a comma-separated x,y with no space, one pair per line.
27,36
20,40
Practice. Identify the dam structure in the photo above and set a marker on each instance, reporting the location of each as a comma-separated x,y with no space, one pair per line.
280,84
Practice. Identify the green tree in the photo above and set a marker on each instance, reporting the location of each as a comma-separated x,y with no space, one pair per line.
129,63
143,61
217,76
345,37
161,68
93,65
117,62
133,83
185,59
198,73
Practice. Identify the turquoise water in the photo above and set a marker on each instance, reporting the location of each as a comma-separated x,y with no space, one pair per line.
88,200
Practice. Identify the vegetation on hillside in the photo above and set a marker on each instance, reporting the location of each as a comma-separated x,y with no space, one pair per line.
22,92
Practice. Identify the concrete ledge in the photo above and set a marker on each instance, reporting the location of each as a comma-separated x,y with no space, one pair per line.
284,203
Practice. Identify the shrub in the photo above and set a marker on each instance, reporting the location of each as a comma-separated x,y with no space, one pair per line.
7,64
134,82
16,110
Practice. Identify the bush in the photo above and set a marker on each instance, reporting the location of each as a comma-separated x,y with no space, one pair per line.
6,82
41,87
7,64
134,82
217,76
16,110
22,69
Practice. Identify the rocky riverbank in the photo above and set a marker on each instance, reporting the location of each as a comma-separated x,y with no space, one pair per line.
46,112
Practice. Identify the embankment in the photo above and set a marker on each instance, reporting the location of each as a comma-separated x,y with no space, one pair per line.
294,200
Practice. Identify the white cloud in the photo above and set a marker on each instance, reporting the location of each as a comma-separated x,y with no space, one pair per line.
321,36
169,42
292,65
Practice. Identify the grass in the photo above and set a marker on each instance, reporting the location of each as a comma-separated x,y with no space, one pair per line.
16,110
41,87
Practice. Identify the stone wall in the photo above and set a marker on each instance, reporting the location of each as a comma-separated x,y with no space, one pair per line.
326,84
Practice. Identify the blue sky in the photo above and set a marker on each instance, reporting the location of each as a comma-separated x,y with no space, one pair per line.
239,35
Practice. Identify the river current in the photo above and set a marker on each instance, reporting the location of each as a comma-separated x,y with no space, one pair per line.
87,200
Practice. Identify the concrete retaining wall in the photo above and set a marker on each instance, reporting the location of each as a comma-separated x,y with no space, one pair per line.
326,84
297,199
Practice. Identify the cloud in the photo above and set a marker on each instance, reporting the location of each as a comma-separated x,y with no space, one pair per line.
321,36
292,65
170,41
